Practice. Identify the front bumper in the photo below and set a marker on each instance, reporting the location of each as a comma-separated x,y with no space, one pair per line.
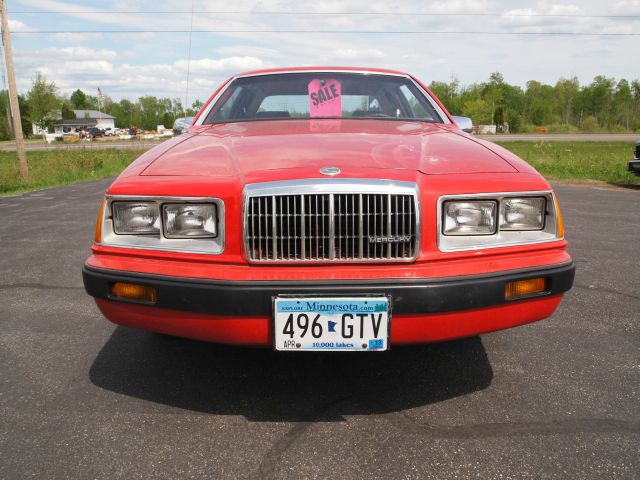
424,310
255,298
634,166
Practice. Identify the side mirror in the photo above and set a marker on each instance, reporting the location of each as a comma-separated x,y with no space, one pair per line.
465,123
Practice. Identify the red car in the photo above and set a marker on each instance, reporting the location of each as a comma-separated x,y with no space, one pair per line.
327,209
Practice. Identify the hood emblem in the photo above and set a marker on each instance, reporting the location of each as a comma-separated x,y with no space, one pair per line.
331,171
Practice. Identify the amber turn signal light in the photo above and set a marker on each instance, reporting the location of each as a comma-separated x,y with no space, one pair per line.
98,234
131,291
560,223
523,288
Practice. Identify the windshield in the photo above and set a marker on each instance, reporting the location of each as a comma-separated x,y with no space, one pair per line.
322,95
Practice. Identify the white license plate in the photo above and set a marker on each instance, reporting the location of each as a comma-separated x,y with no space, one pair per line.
331,323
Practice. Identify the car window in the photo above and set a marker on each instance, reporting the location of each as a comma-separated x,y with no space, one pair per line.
416,107
322,95
298,105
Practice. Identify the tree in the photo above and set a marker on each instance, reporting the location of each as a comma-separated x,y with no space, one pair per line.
43,102
149,107
79,100
623,104
493,93
478,110
539,102
635,89
27,129
565,92
449,94
5,124
67,112
596,99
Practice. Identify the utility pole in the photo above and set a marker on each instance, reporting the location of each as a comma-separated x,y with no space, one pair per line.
13,95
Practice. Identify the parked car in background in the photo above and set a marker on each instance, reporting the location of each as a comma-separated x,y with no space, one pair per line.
94,132
181,124
634,165
325,209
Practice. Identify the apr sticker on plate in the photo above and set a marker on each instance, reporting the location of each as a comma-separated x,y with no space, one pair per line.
331,323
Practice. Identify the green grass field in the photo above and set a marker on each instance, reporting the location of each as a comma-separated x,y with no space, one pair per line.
575,161
562,161
61,167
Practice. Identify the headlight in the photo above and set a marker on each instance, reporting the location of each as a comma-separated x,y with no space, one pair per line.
522,213
470,217
189,220
136,218
174,224
490,220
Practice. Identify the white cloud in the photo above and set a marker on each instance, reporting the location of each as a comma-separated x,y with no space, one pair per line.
55,70
208,65
77,53
459,6
75,37
354,54
629,7
135,37
248,50
18,26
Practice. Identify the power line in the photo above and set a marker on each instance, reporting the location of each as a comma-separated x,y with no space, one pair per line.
340,32
385,13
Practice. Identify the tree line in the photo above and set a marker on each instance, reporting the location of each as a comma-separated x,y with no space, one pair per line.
604,105
43,106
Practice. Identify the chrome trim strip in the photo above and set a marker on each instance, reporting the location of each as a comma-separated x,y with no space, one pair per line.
329,185
208,245
321,70
274,227
332,228
361,227
502,238
429,98
332,186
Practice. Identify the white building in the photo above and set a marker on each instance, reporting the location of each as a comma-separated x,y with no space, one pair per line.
103,121
84,119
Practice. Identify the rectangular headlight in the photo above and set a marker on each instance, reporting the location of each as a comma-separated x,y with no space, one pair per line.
135,218
189,220
522,213
469,217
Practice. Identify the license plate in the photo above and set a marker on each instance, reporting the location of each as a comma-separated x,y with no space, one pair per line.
331,323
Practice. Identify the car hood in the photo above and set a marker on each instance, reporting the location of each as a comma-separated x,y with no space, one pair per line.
357,147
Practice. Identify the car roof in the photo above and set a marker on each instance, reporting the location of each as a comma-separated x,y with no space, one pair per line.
320,69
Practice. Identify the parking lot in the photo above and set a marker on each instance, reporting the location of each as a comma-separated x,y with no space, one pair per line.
83,398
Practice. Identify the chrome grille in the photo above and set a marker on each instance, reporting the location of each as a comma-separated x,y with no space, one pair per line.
328,226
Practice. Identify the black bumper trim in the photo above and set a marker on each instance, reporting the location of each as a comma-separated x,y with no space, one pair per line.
634,166
254,298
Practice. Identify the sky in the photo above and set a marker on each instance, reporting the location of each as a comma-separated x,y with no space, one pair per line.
129,49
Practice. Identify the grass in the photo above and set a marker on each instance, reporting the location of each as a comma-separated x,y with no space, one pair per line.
51,168
579,161
564,161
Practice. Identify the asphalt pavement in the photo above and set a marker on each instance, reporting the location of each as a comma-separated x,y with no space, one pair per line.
83,398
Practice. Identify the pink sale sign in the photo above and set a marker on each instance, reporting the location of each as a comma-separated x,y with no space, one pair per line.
325,98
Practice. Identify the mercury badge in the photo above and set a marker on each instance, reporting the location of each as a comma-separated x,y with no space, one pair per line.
331,171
